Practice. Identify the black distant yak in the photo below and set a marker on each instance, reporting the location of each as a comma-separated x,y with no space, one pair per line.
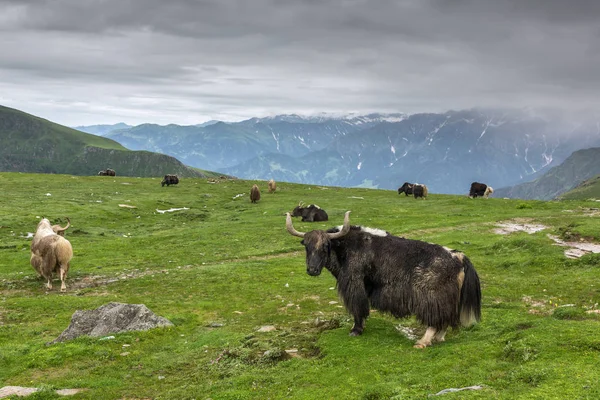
406,188
169,180
311,213
480,189
400,276
107,172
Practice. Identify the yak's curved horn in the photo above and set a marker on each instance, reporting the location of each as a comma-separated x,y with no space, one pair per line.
300,204
290,227
61,229
345,228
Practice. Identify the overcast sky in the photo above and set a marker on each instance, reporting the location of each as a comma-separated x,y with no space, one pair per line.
83,62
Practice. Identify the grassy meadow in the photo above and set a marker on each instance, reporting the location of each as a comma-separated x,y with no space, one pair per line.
223,268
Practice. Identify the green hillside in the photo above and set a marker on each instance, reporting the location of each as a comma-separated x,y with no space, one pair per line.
220,268
588,189
33,144
579,166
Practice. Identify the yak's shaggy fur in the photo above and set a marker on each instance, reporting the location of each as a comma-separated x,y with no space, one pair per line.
272,186
480,189
50,253
396,275
420,191
254,194
169,179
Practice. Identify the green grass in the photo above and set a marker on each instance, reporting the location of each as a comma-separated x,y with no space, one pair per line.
588,189
223,268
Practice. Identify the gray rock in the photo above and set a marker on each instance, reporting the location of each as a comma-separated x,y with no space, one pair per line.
111,318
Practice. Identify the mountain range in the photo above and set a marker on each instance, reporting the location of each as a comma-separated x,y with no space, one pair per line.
32,144
447,151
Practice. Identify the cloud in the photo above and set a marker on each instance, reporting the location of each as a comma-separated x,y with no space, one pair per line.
183,61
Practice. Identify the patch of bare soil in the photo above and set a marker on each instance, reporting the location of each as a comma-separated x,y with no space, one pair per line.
98,280
505,228
589,211
408,332
576,249
537,306
20,391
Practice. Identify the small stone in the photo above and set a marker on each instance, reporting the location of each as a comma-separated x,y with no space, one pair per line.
267,328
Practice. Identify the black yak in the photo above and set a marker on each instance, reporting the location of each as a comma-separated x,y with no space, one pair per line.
169,180
400,276
312,213
480,189
107,172
406,188
420,191
254,194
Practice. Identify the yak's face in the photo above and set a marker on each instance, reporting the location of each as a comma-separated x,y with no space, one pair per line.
297,212
405,188
318,251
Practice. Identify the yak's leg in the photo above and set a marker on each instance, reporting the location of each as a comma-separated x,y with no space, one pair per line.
357,303
63,277
426,339
439,335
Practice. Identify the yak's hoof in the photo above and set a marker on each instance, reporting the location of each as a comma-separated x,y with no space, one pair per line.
421,345
355,333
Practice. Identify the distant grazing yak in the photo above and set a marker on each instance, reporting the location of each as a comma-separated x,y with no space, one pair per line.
406,188
375,270
480,189
420,191
107,172
169,180
272,186
254,194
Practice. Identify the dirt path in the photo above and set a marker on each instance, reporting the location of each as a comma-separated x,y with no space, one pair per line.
101,280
